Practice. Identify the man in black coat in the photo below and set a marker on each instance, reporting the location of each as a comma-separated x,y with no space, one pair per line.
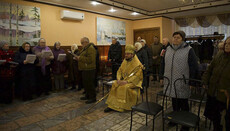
115,56
150,55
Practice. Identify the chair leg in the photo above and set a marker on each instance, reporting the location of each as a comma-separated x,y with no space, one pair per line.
131,120
153,122
146,120
205,122
142,97
163,124
166,103
157,99
177,127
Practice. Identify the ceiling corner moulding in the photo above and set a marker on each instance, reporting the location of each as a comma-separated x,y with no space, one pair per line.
161,12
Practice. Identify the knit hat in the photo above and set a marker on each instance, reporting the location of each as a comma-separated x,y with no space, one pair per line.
181,33
129,49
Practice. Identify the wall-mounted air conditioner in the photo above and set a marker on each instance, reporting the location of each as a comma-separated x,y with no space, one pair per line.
71,15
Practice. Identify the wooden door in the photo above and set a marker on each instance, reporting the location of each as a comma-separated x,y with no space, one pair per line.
147,34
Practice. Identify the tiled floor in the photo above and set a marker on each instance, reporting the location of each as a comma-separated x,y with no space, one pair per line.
66,112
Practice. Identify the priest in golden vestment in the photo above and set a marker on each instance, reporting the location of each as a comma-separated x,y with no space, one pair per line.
125,90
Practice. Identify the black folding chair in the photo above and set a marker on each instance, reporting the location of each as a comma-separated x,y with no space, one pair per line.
185,118
148,108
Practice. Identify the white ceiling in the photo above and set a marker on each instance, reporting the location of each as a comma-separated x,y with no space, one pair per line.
147,8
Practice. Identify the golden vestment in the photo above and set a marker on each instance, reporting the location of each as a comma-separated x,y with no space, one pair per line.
124,97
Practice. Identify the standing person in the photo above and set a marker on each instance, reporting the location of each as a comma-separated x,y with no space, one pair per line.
87,64
216,79
165,44
156,50
143,58
97,63
58,67
7,72
43,67
26,72
74,75
139,39
179,61
115,56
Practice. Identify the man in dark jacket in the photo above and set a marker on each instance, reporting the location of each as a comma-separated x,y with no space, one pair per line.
115,56
150,55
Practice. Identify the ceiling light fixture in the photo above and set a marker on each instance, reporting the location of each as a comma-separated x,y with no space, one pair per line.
95,3
134,13
112,10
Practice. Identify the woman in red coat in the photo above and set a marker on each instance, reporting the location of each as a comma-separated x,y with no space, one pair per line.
7,72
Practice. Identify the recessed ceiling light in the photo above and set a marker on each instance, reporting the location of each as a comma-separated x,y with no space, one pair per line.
94,3
134,13
112,10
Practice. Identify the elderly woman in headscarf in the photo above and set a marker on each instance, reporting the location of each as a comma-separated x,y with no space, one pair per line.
26,72
58,66
7,72
217,82
143,58
45,57
73,72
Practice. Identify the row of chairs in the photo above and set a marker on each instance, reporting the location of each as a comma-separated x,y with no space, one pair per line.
183,118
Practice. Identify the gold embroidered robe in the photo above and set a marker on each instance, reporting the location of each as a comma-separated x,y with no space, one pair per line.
124,97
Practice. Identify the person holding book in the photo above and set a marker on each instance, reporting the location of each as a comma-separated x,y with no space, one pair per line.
74,75
58,66
7,73
26,71
45,57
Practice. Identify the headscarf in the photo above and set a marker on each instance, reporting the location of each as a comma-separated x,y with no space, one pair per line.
55,44
225,42
2,43
43,63
74,47
138,46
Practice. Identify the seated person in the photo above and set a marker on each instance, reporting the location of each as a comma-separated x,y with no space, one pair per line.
125,90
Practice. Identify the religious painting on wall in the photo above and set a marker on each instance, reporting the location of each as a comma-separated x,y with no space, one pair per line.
19,24
107,29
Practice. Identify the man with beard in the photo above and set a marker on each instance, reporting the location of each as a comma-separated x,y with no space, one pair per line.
125,90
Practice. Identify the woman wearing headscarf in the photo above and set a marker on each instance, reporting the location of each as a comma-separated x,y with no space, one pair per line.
43,67
26,72
143,58
217,82
58,66
73,72
7,72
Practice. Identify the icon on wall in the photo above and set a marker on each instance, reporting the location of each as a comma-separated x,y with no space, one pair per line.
107,29
19,24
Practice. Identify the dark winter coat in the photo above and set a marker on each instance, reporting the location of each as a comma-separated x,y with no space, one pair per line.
58,67
26,73
115,53
72,66
217,76
150,55
143,58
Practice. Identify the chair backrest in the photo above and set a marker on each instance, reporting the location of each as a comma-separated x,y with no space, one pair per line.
166,82
197,89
